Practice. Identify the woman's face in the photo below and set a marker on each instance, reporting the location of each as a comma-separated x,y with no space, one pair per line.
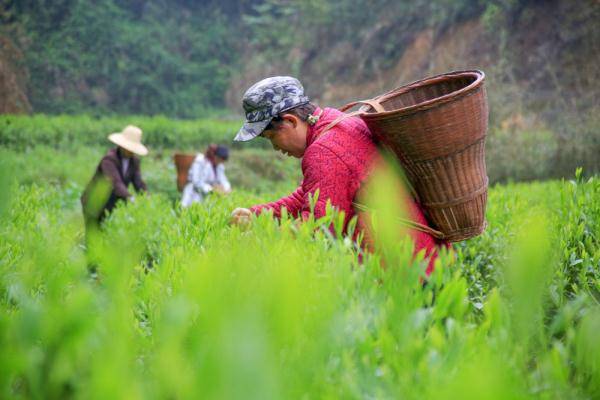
219,160
126,153
288,136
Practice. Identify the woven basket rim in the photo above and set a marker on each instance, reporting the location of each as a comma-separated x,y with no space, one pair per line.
185,155
479,75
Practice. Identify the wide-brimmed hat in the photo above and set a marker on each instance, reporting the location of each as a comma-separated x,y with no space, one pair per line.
130,139
265,100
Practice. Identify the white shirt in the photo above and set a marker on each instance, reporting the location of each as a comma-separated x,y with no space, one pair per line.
124,165
202,176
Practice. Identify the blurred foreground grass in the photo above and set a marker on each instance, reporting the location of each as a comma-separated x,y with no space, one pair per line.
185,306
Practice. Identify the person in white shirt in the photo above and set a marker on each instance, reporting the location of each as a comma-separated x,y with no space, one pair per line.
206,175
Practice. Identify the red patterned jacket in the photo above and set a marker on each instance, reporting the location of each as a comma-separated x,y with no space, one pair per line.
337,163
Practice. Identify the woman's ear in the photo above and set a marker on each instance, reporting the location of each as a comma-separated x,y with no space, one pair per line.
292,119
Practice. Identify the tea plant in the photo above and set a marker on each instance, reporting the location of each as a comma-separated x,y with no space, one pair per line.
73,131
185,306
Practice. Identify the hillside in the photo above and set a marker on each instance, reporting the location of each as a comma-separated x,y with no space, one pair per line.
540,59
539,46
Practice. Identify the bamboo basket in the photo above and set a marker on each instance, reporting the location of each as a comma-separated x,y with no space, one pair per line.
183,162
437,128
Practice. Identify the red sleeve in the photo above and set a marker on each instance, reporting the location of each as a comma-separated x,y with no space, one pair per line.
293,203
323,170
326,172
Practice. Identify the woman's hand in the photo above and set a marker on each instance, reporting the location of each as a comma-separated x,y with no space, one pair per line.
240,217
220,189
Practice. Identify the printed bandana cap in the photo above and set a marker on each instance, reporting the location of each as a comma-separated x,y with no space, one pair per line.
265,100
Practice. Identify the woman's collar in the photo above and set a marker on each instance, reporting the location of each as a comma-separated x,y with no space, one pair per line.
313,128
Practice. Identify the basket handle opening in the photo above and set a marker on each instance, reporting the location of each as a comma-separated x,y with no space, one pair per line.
370,102
374,103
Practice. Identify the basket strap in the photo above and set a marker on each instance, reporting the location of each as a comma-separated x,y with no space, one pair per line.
338,120
374,102
379,108
371,102
411,224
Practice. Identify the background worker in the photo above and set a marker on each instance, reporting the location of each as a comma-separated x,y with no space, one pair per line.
336,161
206,175
117,169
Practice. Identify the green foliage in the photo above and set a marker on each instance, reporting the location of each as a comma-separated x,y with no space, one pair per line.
183,304
129,57
254,170
536,151
66,131
187,59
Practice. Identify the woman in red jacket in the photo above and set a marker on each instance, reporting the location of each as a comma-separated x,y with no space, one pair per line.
336,158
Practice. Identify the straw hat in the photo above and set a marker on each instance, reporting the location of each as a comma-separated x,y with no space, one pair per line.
130,139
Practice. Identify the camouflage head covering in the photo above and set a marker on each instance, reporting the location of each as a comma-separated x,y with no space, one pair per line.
265,100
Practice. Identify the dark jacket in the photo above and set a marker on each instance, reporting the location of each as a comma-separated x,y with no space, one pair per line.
110,169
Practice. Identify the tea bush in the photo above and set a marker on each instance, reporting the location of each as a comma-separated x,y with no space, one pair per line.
74,131
185,306
251,169
540,151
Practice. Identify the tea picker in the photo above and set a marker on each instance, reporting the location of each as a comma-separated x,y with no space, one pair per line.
338,155
120,167
205,175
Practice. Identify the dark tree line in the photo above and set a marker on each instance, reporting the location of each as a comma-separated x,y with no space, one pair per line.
180,57
135,56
